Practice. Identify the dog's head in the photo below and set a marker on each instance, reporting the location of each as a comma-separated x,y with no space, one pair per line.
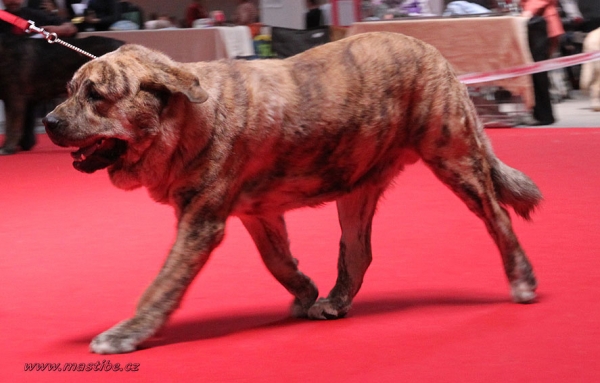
116,106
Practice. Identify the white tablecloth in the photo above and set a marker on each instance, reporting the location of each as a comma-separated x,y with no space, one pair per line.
190,44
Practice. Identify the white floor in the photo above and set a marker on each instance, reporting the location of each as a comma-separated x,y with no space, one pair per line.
575,113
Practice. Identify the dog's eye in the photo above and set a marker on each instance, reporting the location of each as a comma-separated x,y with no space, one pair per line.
93,95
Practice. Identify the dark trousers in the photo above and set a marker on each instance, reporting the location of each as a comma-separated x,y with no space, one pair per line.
539,45
28,139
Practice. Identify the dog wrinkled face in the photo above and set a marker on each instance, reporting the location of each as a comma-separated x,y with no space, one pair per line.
113,112
93,119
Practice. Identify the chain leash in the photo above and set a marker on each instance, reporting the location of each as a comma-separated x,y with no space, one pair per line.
53,38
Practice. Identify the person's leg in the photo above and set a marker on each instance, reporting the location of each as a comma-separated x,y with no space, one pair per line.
28,139
540,46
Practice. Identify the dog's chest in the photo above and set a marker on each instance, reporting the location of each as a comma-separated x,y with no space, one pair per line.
276,195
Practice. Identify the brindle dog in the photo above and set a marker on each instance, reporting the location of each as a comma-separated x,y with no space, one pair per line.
254,139
31,71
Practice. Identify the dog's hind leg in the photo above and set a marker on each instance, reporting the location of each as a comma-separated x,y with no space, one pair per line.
460,161
270,236
355,212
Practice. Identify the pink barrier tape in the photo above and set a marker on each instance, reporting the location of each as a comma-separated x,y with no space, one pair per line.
527,69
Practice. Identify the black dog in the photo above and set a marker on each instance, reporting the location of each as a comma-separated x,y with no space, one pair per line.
32,71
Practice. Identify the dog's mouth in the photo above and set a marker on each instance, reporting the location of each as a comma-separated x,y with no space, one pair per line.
99,155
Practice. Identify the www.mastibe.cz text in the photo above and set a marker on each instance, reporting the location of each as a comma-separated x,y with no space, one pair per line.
104,365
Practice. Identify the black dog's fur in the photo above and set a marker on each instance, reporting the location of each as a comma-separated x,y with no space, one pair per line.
32,71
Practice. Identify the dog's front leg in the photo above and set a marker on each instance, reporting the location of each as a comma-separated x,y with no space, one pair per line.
196,238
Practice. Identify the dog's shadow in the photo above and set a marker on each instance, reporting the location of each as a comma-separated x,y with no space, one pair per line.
227,324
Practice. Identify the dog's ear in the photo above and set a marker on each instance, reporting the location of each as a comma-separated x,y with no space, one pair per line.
159,73
175,80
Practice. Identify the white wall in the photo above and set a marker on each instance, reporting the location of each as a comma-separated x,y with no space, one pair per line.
290,13
437,6
283,13
290,16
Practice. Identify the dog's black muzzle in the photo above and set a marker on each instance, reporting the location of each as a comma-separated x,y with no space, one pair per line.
55,128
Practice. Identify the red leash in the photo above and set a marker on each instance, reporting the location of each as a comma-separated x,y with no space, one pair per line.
14,20
29,26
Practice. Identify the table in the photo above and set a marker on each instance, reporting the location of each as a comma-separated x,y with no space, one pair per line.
470,44
190,44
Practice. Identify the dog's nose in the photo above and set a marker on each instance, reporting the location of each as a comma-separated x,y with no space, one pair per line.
54,129
51,122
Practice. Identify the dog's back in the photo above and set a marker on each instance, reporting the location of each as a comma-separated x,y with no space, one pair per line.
351,112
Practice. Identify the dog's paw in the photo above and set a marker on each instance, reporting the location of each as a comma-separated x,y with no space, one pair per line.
122,338
107,343
324,308
522,292
300,307
523,289
298,310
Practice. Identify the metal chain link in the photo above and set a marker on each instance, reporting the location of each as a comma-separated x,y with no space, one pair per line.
53,38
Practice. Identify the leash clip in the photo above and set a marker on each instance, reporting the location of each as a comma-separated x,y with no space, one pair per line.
33,28
53,38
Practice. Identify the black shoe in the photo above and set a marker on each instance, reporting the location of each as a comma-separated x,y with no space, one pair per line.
28,141
4,151
529,120
549,122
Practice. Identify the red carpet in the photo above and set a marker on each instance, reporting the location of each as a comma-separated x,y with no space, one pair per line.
76,254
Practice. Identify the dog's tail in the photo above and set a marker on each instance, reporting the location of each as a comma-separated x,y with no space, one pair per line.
513,187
